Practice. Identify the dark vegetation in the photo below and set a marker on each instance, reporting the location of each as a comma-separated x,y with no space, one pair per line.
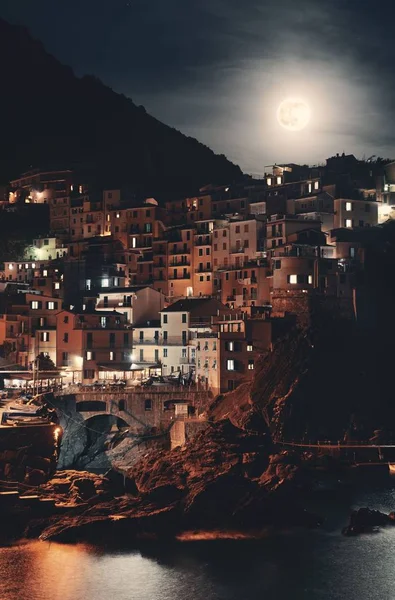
50,117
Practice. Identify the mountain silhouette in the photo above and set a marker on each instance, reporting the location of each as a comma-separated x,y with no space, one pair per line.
51,118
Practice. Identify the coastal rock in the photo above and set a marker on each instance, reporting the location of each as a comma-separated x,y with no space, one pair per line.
365,520
223,479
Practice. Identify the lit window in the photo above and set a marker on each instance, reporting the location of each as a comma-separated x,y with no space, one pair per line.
45,273
269,181
230,346
278,180
293,279
117,215
230,365
11,266
108,217
57,285
88,355
44,336
33,265
112,355
316,185
51,305
249,348
88,284
134,242
103,321
105,282
250,365
34,305
348,206
348,223
310,279
26,266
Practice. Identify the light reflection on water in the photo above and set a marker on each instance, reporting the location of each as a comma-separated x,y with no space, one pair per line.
313,565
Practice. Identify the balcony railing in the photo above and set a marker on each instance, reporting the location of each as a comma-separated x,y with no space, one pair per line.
106,327
180,263
204,270
170,341
181,276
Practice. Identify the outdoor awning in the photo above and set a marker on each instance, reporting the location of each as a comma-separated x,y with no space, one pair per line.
28,375
115,366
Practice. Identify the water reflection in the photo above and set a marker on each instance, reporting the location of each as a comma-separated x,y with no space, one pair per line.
316,565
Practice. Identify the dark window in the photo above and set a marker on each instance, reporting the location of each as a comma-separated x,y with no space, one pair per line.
66,320
66,337
367,207
126,339
112,340
164,318
89,340
184,318
122,405
148,404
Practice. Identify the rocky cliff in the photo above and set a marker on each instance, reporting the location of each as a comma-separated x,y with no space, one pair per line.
225,480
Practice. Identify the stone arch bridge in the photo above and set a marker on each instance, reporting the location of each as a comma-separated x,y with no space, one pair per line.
139,409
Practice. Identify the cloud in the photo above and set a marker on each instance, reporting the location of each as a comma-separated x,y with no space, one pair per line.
217,69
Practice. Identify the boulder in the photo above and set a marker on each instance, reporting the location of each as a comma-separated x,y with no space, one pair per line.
365,520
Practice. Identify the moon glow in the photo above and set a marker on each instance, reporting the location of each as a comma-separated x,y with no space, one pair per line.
293,114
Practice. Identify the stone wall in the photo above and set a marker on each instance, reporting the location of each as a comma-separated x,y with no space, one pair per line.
306,305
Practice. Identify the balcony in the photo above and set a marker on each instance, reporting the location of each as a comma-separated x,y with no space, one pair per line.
202,242
204,270
181,276
180,263
237,250
171,252
107,327
170,341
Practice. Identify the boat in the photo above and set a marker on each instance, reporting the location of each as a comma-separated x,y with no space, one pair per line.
30,440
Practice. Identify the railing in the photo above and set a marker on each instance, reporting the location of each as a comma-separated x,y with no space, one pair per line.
171,341
117,327
204,270
337,444
180,263
181,276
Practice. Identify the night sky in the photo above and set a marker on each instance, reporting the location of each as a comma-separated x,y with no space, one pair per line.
218,69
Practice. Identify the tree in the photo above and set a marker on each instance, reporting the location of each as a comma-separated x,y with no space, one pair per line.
44,362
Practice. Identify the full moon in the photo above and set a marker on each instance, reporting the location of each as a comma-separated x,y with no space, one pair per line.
293,114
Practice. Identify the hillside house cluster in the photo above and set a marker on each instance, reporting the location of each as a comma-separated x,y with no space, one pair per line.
195,288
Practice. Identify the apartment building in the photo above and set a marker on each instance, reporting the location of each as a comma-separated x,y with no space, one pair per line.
227,356
93,345
280,227
40,186
355,213
180,323
246,287
137,304
180,262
